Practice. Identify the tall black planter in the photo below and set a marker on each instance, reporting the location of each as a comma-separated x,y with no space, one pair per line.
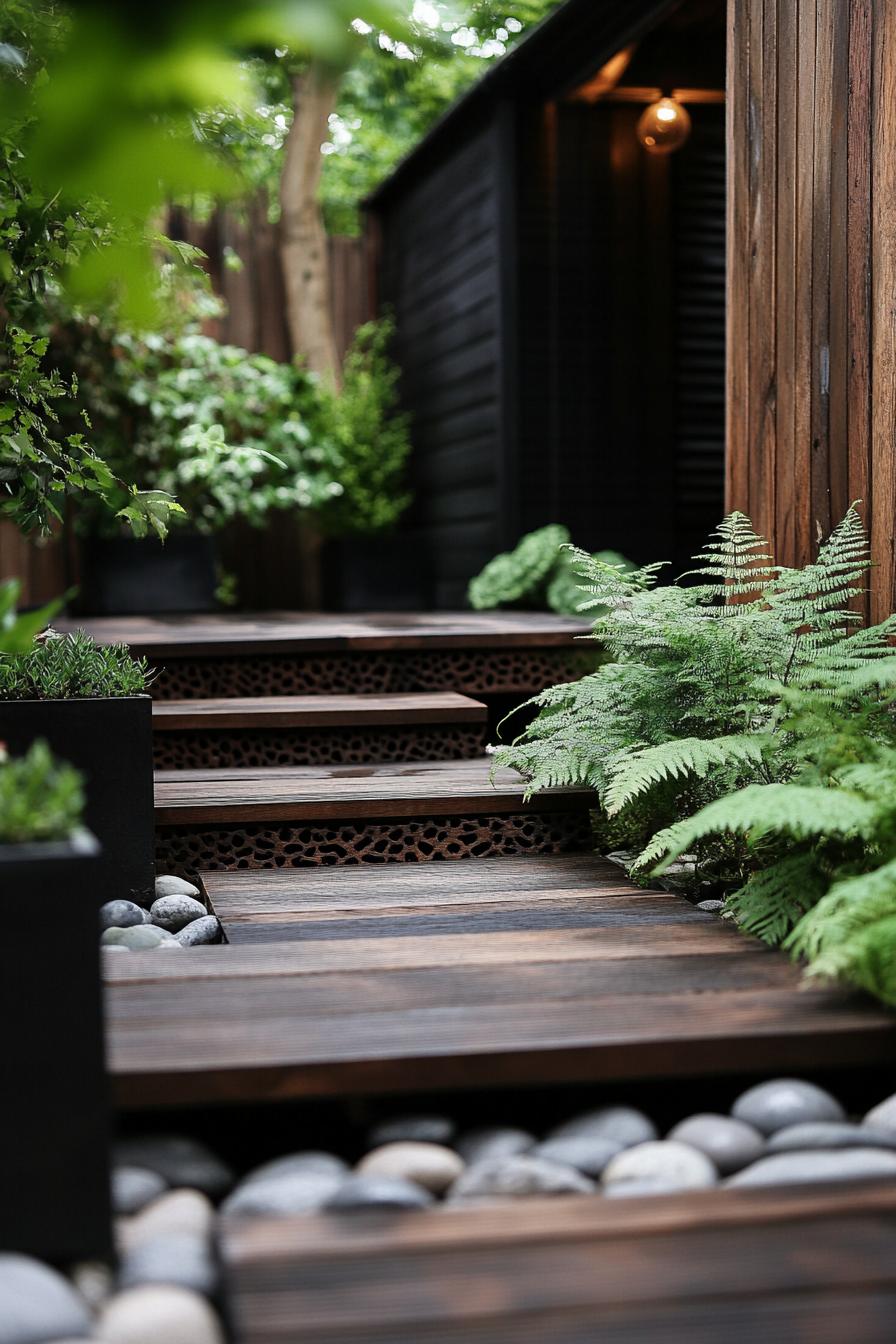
110,742
143,576
54,1115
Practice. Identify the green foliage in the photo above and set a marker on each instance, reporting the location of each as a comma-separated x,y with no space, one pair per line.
366,440
564,591
40,799
72,667
689,703
235,435
519,576
19,631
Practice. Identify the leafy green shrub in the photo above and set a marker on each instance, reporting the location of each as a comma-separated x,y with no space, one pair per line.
40,798
72,667
366,440
519,575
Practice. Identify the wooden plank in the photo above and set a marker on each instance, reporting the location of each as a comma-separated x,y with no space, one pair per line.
883,330
324,793
318,711
296,632
683,1268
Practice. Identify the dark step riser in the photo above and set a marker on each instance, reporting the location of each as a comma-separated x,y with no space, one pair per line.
248,747
187,850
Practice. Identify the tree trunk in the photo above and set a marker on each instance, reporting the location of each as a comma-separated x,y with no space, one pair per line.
303,239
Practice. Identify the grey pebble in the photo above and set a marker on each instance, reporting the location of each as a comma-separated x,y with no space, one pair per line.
431,1165
711,907
780,1102
829,1134
200,932
181,1260
416,1128
844,1164
317,1163
883,1115
139,938
729,1144
477,1145
378,1192
281,1195
588,1153
122,915
621,1124
181,1160
175,912
37,1304
662,1165
134,1187
517,1178
168,885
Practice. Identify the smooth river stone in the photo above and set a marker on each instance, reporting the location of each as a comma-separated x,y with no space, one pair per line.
517,1178
829,1134
729,1144
431,1165
135,1187
182,1260
167,885
785,1101
140,938
843,1164
588,1153
414,1129
883,1115
37,1304
620,1124
657,1167
317,1163
477,1145
122,915
182,1161
200,932
159,1314
175,912
378,1192
179,1213
284,1195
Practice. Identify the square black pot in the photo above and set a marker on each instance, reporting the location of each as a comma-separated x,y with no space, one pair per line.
110,742
54,1116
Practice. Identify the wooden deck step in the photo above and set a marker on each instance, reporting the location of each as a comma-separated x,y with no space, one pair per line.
406,811
514,971
300,653
735,1265
317,730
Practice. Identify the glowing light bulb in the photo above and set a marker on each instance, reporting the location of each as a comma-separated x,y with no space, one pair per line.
663,126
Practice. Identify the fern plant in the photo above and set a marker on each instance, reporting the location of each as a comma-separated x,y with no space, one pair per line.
689,705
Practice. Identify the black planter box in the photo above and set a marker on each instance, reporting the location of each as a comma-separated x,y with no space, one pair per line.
54,1113
380,573
144,576
110,742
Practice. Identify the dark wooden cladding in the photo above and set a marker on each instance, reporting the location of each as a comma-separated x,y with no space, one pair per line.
794,1264
812,272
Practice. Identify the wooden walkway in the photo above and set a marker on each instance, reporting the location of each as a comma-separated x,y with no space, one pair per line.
470,974
739,1266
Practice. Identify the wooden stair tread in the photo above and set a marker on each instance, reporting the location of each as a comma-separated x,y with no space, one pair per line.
562,980
797,1262
218,634
324,793
318,711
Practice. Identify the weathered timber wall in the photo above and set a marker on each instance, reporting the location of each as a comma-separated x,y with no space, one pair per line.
812,272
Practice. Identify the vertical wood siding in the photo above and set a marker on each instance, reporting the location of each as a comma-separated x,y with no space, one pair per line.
811,412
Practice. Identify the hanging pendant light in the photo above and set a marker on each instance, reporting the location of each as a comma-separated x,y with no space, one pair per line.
663,126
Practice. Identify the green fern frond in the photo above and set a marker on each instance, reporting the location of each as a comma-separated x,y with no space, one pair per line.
800,811
638,771
849,906
867,959
736,560
773,899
